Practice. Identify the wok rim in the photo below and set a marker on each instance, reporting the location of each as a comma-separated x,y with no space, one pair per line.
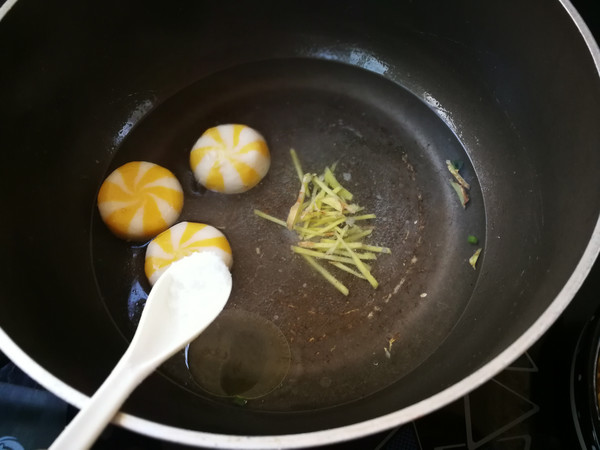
356,430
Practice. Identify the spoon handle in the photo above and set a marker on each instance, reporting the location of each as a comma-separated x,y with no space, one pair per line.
91,420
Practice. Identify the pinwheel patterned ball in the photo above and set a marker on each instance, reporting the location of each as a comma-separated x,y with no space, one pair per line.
230,158
140,200
182,240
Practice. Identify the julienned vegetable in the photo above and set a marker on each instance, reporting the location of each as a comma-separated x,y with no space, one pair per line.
329,227
454,168
460,185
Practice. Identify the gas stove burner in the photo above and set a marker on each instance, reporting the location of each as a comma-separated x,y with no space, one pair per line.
584,385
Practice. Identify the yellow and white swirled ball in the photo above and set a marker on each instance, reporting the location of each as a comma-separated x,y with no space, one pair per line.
230,158
182,240
139,200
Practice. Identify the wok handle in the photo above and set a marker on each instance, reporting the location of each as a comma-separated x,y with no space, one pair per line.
91,420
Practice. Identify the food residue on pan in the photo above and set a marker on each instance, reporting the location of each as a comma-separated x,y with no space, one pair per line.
388,350
388,355
462,190
473,259
238,400
329,227
230,158
139,200
460,185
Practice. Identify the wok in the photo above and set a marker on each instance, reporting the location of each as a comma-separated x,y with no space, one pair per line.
389,90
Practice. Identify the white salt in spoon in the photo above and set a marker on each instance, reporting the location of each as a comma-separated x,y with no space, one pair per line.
188,296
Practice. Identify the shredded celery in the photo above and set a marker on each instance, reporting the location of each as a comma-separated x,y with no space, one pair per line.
334,183
345,268
326,224
271,218
361,267
316,254
297,165
357,236
296,210
327,275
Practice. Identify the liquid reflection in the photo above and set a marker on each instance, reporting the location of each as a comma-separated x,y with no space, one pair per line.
240,354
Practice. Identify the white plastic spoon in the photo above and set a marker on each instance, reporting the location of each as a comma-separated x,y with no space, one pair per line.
188,296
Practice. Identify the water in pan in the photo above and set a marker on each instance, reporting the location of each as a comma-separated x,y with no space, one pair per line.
241,355
391,151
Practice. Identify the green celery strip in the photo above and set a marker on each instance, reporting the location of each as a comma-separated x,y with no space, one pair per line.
334,183
295,210
297,164
323,186
321,231
271,218
334,203
372,248
328,219
361,267
344,252
326,274
353,237
321,255
363,217
345,268
329,243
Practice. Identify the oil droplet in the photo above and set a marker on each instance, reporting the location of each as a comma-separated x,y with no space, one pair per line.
240,354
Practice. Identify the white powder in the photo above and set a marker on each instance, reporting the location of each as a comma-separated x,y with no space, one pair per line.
200,286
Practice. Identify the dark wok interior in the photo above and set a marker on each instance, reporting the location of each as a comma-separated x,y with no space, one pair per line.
509,87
